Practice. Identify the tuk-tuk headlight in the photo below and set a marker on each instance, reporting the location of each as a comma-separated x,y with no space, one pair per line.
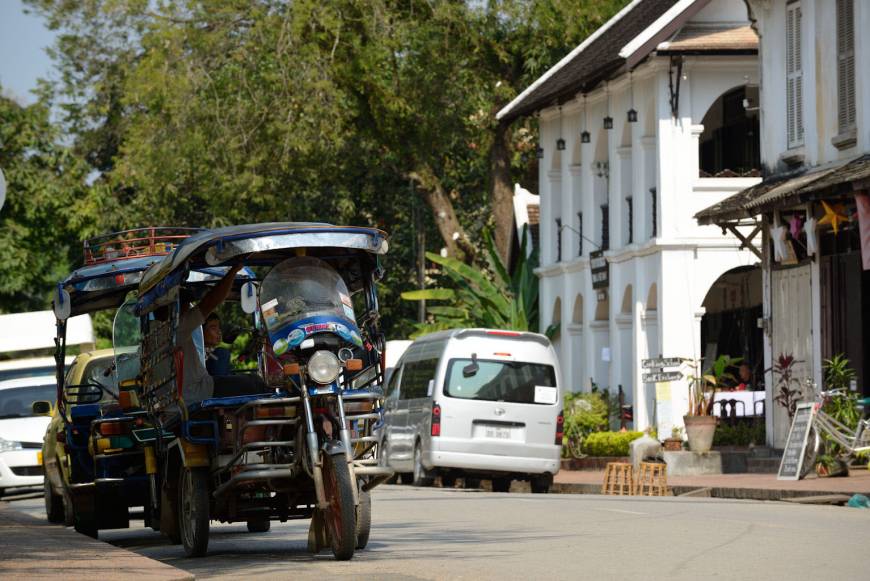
324,367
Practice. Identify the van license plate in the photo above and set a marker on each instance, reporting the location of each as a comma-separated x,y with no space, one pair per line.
497,433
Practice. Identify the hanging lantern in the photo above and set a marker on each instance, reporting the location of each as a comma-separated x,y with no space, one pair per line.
540,152
632,116
560,144
585,137
608,122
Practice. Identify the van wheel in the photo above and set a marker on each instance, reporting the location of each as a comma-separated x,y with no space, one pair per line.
472,483
541,484
448,480
421,475
501,484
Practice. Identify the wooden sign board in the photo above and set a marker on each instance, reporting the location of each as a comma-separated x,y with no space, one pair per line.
662,376
661,362
795,447
600,270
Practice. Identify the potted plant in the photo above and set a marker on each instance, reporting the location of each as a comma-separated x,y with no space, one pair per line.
675,442
700,421
788,387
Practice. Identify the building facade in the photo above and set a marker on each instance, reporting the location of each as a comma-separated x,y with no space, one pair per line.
812,208
650,120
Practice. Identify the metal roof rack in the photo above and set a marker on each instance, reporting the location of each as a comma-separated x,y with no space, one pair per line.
134,243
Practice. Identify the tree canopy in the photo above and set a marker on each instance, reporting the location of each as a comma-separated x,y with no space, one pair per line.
181,112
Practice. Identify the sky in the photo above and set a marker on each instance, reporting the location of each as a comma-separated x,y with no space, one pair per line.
23,40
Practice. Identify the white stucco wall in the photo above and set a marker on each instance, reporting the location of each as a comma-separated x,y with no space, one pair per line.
681,262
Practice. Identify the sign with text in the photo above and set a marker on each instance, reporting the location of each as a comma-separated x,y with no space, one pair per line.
662,376
795,447
661,362
600,270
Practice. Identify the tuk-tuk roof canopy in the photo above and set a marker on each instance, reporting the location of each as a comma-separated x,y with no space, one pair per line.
103,286
220,246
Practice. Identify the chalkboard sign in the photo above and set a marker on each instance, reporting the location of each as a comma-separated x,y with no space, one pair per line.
793,455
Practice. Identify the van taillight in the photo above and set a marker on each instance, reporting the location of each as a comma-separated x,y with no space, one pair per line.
560,428
504,333
436,419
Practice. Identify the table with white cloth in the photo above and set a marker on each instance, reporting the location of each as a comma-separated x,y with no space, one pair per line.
752,403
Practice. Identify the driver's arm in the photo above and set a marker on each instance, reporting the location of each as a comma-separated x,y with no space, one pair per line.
219,293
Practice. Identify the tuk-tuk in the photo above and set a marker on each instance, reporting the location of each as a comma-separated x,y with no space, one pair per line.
297,444
95,463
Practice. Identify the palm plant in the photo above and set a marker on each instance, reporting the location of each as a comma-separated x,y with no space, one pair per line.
490,297
703,387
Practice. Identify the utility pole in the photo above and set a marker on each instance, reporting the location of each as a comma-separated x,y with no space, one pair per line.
420,243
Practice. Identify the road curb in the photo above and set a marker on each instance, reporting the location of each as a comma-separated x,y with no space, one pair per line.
34,549
714,491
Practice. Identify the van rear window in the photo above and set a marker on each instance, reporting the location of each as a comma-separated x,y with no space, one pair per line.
508,381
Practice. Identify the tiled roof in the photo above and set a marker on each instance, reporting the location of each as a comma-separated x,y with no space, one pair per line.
724,37
788,189
589,63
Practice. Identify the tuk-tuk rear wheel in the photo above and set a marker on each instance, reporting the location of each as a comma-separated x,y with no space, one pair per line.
341,513
53,502
193,517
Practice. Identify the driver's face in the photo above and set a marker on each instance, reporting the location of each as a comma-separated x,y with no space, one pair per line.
212,333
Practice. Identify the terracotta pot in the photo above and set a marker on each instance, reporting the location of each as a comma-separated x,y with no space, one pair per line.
673,445
699,432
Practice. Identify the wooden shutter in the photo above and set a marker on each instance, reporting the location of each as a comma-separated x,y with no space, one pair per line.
794,76
845,65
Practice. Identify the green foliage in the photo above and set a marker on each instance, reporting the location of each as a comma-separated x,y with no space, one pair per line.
45,204
609,443
490,298
703,386
740,434
843,407
227,111
584,413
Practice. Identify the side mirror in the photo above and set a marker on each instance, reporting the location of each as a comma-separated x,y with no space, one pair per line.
61,304
472,368
249,297
42,408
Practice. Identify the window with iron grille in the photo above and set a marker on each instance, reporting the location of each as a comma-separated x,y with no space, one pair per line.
630,203
654,207
558,240
794,76
580,233
845,65
605,227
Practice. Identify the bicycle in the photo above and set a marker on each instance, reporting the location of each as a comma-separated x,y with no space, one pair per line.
852,441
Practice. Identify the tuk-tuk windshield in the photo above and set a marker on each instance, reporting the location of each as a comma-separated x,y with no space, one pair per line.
300,288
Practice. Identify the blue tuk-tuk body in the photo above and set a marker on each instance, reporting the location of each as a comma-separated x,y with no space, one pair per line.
300,445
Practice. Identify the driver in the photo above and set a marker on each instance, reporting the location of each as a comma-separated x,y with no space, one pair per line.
197,383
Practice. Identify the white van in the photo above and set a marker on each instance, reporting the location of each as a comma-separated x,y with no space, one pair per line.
475,403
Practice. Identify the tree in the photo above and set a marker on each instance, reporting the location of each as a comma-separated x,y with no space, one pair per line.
46,205
492,298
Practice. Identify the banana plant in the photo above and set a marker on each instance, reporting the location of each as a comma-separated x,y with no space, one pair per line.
490,297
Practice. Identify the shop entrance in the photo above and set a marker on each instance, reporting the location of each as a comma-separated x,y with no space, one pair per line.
729,325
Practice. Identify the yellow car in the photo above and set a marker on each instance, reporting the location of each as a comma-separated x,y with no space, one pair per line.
66,451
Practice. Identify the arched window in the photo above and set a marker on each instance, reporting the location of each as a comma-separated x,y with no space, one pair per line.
729,145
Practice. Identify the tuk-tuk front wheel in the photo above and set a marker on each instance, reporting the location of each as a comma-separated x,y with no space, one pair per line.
193,517
340,515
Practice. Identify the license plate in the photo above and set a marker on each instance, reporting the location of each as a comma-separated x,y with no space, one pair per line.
497,433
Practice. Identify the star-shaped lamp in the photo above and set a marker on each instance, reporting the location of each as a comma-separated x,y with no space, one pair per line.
834,215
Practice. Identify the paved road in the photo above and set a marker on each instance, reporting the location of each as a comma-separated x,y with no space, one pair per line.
458,534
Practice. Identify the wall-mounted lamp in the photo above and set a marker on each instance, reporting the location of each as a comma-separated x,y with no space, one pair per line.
540,152
632,113
608,121
560,144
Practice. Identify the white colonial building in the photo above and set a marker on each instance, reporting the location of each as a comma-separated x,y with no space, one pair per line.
650,120
815,151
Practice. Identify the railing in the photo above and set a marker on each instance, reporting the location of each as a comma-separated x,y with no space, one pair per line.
138,242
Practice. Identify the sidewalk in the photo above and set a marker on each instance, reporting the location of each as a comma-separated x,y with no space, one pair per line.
34,549
745,486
